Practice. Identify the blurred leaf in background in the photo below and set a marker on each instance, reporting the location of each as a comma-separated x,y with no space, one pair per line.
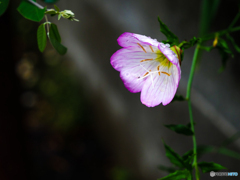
3,6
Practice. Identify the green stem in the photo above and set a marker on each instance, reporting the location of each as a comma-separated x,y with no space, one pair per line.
234,20
220,33
188,97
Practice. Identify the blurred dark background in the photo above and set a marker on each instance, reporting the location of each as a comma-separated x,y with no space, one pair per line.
70,117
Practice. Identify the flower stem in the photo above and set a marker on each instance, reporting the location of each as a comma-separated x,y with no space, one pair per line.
234,20
220,33
188,97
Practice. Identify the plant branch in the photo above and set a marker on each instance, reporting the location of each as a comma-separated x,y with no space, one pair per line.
188,97
220,33
234,20
36,4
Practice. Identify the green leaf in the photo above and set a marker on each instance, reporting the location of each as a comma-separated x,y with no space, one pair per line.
180,174
207,48
30,11
201,150
55,40
41,37
167,169
210,166
55,33
3,6
173,156
58,46
180,129
192,42
172,39
230,38
50,1
208,12
178,98
56,8
228,152
224,51
59,16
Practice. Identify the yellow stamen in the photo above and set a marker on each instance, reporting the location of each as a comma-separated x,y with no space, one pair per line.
158,67
146,60
159,73
145,74
151,48
142,47
215,42
165,73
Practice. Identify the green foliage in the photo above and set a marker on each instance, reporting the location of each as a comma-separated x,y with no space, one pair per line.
57,9
224,51
54,32
50,1
187,44
167,169
230,38
210,166
174,157
30,11
67,14
201,150
228,152
178,98
55,40
3,6
180,129
208,12
172,39
206,48
179,174
41,37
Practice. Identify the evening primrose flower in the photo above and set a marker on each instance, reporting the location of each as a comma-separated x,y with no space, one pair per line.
148,66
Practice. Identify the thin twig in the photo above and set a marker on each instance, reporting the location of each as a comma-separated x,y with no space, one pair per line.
36,4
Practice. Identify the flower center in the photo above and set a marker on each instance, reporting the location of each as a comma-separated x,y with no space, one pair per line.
163,60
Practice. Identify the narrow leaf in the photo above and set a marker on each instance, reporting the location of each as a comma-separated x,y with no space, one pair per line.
180,129
230,38
58,46
167,169
171,38
41,37
228,152
207,48
201,150
54,32
3,6
55,40
59,16
30,11
56,8
173,156
224,51
210,166
180,174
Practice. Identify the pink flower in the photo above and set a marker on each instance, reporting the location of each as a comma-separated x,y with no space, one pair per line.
148,66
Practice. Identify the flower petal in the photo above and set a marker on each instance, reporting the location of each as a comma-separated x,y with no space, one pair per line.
161,89
133,77
130,39
130,57
169,54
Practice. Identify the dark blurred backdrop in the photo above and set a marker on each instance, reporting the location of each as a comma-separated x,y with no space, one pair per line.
70,117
